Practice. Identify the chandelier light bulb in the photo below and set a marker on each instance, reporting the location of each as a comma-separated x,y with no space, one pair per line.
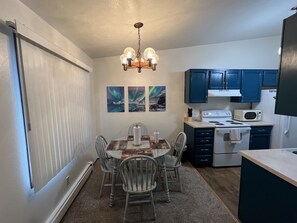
149,53
129,52
155,59
123,59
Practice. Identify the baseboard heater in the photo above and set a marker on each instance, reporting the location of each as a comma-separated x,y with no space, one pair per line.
65,203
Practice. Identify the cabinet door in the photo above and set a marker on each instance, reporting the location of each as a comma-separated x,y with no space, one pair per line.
233,79
270,78
251,82
216,79
286,92
196,86
259,141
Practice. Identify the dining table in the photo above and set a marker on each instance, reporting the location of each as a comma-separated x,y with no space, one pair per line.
122,148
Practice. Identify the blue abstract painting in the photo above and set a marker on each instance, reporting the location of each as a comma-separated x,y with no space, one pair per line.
136,97
157,98
115,99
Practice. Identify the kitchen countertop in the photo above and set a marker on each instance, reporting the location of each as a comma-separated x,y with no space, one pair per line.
260,123
280,162
196,124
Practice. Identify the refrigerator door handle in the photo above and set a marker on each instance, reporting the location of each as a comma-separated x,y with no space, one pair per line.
288,125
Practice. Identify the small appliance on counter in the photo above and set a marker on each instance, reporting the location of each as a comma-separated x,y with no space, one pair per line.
247,115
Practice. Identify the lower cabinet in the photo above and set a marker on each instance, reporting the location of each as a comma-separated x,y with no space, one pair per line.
260,137
264,197
200,145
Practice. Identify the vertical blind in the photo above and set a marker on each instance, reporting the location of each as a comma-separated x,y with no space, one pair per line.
59,112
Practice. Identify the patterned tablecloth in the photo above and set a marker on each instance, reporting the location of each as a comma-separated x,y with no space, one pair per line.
125,148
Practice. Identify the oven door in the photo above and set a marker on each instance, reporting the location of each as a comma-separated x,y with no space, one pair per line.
231,140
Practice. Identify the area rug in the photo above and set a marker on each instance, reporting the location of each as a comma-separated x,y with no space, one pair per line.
196,204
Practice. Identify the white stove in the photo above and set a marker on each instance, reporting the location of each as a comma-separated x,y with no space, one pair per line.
229,138
221,119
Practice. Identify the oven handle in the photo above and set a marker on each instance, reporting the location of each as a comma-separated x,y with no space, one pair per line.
242,130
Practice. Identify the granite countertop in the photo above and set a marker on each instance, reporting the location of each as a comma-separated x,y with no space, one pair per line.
280,162
196,124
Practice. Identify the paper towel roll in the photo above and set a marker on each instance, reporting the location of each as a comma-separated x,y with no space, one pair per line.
137,135
156,136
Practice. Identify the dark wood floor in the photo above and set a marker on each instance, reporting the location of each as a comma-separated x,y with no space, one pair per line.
225,183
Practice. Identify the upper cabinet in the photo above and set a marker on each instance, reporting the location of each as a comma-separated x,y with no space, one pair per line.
224,79
251,82
286,94
270,78
196,86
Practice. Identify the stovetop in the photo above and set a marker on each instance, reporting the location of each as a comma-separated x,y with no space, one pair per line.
226,123
221,119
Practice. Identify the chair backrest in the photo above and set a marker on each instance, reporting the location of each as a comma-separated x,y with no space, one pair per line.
144,130
101,152
179,146
139,173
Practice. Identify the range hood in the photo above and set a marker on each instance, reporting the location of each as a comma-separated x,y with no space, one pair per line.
224,93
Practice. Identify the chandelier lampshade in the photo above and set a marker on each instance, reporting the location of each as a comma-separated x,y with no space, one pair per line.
135,60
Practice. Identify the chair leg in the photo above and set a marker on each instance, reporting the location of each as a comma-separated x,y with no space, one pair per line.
166,183
153,204
179,180
127,203
102,184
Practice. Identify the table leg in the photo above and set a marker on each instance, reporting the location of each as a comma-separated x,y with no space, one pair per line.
166,182
113,181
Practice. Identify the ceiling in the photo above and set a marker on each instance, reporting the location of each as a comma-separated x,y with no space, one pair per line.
104,28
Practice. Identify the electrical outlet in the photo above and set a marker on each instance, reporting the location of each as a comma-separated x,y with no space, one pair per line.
67,180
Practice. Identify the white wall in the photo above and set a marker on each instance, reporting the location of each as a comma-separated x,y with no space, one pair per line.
18,202
249,54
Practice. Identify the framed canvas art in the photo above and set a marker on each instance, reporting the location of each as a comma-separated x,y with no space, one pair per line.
115,99
157,98
136,98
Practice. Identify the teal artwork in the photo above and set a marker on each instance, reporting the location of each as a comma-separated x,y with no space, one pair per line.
136,97
157,98
115,99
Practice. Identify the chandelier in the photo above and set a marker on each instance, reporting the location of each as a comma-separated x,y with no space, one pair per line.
132,60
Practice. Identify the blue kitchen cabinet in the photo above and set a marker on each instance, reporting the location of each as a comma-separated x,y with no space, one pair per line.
216,79
199,145
286,93
270,78
260,137
233,79
265,197
196,86
224,79
251,82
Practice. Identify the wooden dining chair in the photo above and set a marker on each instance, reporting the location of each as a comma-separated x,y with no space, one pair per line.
173,162
107,163
139,179
144,130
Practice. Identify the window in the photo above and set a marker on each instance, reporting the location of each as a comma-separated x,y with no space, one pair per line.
57,104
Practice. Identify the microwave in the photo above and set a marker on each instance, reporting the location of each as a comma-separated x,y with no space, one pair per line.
250,115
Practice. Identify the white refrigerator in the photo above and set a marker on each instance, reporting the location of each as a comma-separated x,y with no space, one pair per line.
284,131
